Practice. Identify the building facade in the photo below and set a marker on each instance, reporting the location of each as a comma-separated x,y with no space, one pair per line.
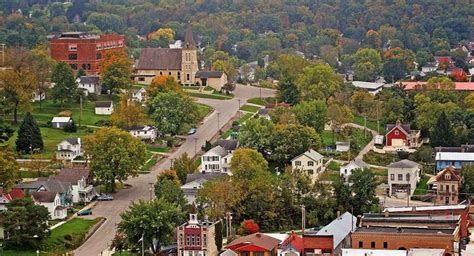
216,160
445,186
402,136
403,177
69,149
310,162
82,50
197,238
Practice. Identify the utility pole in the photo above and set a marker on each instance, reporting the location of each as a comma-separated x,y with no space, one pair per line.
151,190
303,218
408,195
80,116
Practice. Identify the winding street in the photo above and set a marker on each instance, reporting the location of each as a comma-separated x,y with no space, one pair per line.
141,186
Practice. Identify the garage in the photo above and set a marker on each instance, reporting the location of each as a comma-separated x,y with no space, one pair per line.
398,143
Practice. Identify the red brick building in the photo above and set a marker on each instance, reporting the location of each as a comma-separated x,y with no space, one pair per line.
81,50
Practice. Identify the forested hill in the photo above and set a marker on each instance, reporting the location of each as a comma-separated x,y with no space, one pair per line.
252,27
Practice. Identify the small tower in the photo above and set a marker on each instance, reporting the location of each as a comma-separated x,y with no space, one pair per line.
189,61
193,219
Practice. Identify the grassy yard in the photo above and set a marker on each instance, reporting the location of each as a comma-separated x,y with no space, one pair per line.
380,159
209,96
371,124
241,120
422,187
249,108
203,111
261,101
333,166
327,138
157,149
330,175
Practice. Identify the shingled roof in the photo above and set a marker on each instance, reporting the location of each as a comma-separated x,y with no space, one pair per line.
209,74
72,175
43,196
160,59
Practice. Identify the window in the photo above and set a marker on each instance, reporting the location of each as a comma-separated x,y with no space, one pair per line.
392,176
179,76
141,79
198,240
310,163
453,188
84,66
385,245
161,73
187,77
98,56
258,254
345,171
397,132
188,239
192,240
372,245
400,176
408,177
361,244
310,172
298,163
169,73
72,56
73,47
447,177
204,240
181,239
73,66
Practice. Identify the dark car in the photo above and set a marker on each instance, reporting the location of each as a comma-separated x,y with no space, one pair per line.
84,212
105,197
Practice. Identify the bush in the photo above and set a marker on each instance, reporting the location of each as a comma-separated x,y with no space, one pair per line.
103,123
170,141
65,113
92,97
403,154
70,127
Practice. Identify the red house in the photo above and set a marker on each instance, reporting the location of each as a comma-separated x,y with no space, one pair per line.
401,135
81,50
254,245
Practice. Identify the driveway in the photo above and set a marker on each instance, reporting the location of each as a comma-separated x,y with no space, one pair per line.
141,186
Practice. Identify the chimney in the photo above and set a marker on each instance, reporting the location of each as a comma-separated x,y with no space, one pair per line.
359,221
338,214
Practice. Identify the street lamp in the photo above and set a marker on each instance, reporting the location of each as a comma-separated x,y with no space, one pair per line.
151,190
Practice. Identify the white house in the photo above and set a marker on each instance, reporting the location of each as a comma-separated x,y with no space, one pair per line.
59,121
144,132
403,177
81,182
139,94
195,181
104,108
52,201
69,148
38,95
216,160
90,84
429,67
342,146
346,170
310,162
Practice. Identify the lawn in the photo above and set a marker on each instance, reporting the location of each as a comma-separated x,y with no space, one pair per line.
333,166
261,101
329,175
158,149
422,187
203,111
241,121
380,159
209,96
371,124
68,236
51,137
327,138
249,108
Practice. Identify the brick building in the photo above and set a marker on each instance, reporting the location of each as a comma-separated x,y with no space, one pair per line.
257,244
445,186
405,238
82,50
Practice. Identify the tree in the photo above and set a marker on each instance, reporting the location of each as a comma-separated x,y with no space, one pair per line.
282,115
42,64
288,92
459,75
364,184
163,34
469,101
70,127
80,73
440,83
467,186
393,109
338,115
256,133
373,39
311,113
248,227
289,141
227,67
287,67
343,194
116,72
6,132
318,81
362,102
163,84
171,111
65,88
29,135
9,168
443,134
183,166
114,155
153,221
220,196
25,223
394,70
246,163
169,191
367,64
423,57
128,113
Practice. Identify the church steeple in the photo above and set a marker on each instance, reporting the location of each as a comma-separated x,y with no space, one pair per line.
188,38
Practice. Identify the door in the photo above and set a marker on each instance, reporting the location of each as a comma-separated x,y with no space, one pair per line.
398,142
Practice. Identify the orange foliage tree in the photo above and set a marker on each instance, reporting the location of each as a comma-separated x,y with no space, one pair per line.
113,57
163,84
248,227
459,75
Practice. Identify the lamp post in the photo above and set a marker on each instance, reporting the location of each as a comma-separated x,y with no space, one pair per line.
151,190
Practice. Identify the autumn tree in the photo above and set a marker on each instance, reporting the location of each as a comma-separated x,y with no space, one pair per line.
162,84
29,136
164,36
9,168
220,196
128,113
459,75
227,67
116,71
183,166
248,227
65,88
338,115
318,81
114,155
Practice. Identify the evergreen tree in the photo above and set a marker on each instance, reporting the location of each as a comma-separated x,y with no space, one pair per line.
443,134
80,73
29,135
288,92
70,127
65,88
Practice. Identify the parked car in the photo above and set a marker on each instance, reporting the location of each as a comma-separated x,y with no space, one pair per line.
84,212
105,197
192,131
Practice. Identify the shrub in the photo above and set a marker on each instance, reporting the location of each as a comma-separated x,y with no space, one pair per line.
92,97
103,123
65,113
70,127
170,141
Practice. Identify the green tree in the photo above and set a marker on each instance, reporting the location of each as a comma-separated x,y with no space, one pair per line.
246,163
183,166
25,224
116,76
311,113
394,70
393,109
367,64
29,135
6,132
467,186
9,168
423,57
169,191
364,184
338,115
153,221
65,88
343,194
171,111
289,141
80,73
114,155
220,196
318,81
288,92
443,134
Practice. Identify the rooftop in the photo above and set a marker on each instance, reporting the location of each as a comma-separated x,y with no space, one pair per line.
405,163
103,104
458,86
371,86
228,144
209,74
426,208
160,59
406,230
263,241
61,119
339,228
454,156
43,196
218,150
89,79
312,154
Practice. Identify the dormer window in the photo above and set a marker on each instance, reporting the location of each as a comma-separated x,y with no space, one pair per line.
447,177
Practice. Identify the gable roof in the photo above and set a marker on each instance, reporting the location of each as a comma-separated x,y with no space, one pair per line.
209,74
15,193
312,154
339,228
103,104
89,80
160,59
73,141
61,119
204,175
44,196
228,144
403,127
218,150
294,241
358,163
405,163
441,176
263,241
72,175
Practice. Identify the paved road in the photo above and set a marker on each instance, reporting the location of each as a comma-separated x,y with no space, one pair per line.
367,147
140,186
